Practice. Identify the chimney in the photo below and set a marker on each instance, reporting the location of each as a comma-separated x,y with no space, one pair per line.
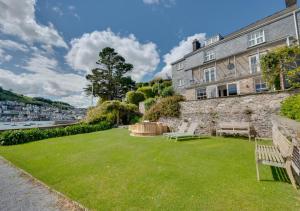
196,45
290,3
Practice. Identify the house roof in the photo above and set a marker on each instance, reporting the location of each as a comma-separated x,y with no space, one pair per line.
243,30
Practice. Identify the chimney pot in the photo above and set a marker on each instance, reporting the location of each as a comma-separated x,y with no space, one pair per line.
290,3
196,45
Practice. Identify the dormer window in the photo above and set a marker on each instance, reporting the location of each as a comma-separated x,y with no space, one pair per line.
256,38
212,40
179,66
209,55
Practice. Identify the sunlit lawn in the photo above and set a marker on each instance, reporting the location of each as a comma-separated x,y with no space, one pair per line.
110,170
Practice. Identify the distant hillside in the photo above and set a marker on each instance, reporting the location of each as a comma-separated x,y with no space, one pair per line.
6,95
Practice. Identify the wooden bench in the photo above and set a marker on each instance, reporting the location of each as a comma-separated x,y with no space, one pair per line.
282,154
234,128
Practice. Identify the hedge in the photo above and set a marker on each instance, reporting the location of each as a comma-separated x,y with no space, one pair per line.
13,137
291,107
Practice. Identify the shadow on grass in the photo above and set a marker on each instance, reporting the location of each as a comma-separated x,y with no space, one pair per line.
279,175
198,138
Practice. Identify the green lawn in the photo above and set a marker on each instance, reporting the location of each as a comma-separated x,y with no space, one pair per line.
110,170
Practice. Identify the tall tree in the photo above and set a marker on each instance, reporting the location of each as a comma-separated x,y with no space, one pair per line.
108,81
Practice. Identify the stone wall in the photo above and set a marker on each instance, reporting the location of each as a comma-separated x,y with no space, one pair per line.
255,108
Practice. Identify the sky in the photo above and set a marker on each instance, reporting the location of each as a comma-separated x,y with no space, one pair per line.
48,46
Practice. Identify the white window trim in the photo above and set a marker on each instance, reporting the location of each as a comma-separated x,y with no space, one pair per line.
179,66
258,56
210,70
254,36
237,88
181,82
209,55
204,92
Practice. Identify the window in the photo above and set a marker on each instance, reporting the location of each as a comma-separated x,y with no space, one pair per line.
256,38
201,93
260,86
254,63
179,66
180,82
210,74
209,55
232,89
212,40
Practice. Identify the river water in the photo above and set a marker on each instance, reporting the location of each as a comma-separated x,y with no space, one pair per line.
22,125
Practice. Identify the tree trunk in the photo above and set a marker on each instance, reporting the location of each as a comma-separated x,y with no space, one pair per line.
282,81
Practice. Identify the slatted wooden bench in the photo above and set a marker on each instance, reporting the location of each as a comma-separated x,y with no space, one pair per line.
234,128
282,154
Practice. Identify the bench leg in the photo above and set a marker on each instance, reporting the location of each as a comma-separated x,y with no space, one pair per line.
288,167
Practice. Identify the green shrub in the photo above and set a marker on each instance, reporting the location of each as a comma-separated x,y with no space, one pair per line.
135,97
149,102
165,107
116,112
147,90
167,92
13,137
291,107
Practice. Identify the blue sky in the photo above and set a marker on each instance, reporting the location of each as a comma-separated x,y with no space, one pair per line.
48,46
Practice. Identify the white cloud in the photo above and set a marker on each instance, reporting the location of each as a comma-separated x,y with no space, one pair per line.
17,17
12,45
183,48
80,100
85,50
4,57
58,10
44,80
71,7
73,12
166,3
151,1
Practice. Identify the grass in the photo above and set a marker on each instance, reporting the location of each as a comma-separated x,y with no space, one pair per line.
110,170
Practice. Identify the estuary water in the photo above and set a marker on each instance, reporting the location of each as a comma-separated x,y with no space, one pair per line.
22,125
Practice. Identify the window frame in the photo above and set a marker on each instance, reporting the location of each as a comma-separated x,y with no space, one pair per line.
210,70
209,55
254,37
181,82
179,65
204,94
237,89
258,67
261,82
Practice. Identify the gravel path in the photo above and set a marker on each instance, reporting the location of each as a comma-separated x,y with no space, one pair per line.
19,191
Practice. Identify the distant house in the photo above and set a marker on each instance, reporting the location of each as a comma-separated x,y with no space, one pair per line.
229,65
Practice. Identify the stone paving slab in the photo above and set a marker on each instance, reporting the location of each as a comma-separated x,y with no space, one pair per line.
21,192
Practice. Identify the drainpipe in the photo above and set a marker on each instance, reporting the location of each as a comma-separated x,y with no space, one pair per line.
234,62
296,27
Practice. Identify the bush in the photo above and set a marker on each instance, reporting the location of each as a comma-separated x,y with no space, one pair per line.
167,92
165,107
291,107
135,97
147,90
149,102
13,137
114,111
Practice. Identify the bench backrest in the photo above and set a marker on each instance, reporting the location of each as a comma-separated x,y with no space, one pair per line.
182,128
281,142
193,127
296,159
235,125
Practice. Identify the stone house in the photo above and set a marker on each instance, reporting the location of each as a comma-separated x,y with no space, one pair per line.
229,65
